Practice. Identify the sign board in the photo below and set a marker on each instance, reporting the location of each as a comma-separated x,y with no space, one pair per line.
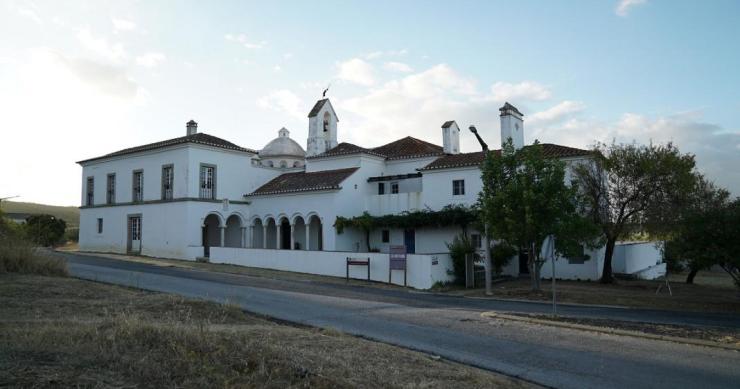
397,257
397,261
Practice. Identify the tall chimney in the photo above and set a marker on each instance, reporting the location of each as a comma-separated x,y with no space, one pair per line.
450,137
512,126
192,127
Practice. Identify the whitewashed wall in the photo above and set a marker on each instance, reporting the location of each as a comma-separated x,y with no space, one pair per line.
423,270
438,187
630,258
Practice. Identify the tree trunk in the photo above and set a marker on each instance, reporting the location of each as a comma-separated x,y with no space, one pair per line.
690,277
533,270
606,275
367,239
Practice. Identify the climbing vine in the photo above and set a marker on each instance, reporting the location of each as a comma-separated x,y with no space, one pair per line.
451,215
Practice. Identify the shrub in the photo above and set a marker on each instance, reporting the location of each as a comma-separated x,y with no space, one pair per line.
45,230
72,234
460,248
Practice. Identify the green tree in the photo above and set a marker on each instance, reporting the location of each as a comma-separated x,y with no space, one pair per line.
525,200
631,188
707,233
683,249
44,230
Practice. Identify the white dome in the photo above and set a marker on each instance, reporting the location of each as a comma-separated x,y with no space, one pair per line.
283,146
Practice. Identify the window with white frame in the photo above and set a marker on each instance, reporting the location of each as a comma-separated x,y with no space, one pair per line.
90,191
167,182
394,187
100,225
207,181
138,186
381,188
110,194
458,187
386,236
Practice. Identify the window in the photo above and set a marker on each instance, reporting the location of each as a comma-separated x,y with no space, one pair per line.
475,240
207,181
138,186
110,194
381,188
90,198
167,181
100,225
458,187
394,187
386,236
579,258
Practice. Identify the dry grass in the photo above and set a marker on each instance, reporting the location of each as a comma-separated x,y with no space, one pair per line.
710,293
19,256
64,332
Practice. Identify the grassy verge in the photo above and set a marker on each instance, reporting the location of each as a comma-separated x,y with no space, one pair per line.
19,256
712,292
728,336
66,332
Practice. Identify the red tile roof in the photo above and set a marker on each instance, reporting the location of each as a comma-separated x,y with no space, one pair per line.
408,147
198,138
403,148
451,161
304,182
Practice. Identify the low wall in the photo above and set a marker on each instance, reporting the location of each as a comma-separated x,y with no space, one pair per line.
423,269
630,258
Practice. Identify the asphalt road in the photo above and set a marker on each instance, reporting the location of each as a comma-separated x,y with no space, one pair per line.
454,329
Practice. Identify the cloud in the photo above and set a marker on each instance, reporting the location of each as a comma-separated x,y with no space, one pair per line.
556,113
283,101
121,25
111,51
30,14
55,100
242,39
716,149
357,71
399,67
624,6
416,104
389,53
525,90
150,60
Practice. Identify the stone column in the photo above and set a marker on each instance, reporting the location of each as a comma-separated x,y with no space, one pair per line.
264,236
278,234
292,236
243,236
308,236
223,235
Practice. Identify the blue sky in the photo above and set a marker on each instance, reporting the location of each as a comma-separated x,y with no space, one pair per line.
80,79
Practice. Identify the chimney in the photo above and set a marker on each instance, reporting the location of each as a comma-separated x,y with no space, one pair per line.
512,126
450,137
192,127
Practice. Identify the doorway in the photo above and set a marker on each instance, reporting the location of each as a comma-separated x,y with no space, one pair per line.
134,234
523,261
409,239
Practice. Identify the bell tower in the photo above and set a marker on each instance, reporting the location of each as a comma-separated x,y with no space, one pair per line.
322,128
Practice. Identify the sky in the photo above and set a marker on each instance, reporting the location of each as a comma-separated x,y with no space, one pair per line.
79,79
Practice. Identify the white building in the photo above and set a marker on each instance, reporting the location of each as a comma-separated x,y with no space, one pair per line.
201,196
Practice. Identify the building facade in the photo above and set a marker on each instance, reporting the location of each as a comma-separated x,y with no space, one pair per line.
199,196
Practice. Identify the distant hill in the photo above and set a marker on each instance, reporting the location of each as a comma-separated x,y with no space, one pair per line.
71,215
